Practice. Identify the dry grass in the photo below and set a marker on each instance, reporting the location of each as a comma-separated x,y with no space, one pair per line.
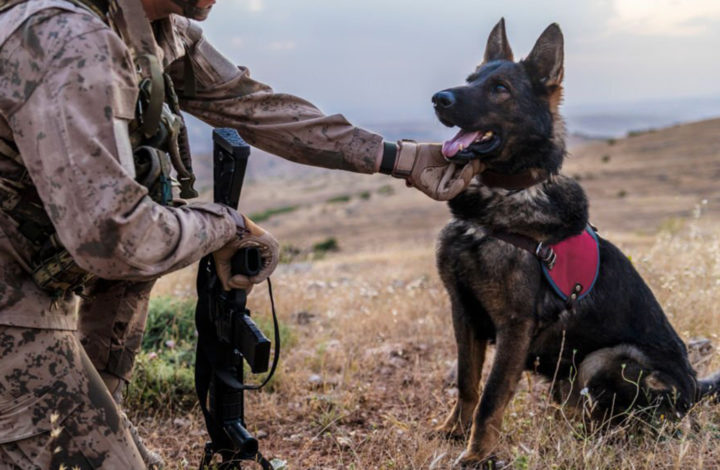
370,372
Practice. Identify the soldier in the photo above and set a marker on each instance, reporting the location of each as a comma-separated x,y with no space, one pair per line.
90,96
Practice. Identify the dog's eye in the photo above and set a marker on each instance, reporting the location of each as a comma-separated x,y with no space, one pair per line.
500,88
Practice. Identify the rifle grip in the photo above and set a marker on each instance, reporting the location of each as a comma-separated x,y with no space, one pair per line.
246,261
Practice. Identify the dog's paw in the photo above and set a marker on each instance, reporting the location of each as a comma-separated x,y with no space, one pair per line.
473,461
449,432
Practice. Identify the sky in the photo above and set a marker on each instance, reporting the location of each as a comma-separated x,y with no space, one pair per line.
380,61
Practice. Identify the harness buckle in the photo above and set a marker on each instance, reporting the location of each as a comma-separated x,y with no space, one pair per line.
546,255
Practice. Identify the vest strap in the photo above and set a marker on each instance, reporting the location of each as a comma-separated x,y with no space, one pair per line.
9,150
132,23
153,88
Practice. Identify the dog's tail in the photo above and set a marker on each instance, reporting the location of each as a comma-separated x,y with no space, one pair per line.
710,387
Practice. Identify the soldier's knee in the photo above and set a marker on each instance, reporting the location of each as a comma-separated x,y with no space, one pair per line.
80,424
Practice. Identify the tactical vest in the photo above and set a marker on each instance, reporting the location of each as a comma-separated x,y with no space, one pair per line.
159,141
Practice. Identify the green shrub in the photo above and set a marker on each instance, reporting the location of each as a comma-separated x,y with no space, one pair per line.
163,379
265,215
169,319
289,253
339,199
635,133
325,246
386,190
161,383
294,254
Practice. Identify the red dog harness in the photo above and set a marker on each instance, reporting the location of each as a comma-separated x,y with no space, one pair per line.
570,266
576,267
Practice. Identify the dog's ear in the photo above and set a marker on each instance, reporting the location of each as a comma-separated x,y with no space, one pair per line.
545,62
498,47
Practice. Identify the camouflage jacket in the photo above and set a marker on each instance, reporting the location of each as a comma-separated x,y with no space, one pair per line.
68,89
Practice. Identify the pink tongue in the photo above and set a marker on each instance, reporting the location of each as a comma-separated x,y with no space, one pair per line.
462,139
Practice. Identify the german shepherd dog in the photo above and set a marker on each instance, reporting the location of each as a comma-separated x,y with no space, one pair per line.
615,347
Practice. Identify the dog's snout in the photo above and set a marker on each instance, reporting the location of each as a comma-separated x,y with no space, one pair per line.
443,99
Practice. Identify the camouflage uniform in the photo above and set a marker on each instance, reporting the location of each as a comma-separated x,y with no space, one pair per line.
68,89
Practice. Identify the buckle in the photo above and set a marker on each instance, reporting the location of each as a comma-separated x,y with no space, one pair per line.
546,255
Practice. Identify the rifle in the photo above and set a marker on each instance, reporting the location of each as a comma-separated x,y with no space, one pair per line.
227,334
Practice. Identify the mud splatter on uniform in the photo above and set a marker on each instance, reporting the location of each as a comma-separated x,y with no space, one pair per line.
67,92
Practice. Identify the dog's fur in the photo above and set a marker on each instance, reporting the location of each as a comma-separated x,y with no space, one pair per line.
617,343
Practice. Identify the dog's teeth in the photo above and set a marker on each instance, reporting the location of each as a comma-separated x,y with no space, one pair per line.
461,147
485,137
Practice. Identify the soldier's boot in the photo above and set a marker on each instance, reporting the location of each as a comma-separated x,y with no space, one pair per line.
152,459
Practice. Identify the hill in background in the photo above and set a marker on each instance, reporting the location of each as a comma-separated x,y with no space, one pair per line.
636,186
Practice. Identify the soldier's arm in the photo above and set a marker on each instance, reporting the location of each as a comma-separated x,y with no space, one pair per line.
69,120
292,128
278,123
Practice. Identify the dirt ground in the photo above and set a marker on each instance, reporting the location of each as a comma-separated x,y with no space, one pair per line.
369,372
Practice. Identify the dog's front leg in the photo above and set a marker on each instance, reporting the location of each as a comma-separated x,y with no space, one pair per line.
471,356
513,342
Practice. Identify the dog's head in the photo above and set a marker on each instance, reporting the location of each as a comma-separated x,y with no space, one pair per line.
508,111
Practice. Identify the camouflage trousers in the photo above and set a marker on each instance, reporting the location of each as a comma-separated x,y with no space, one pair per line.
111,325
55,410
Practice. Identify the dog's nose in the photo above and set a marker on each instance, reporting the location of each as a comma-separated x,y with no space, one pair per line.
443,99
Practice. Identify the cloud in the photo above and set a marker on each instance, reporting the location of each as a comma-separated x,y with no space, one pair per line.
665,17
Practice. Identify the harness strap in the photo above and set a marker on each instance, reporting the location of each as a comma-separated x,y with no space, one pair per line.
544,253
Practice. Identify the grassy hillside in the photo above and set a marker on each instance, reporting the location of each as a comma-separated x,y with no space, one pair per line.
651,180
369,370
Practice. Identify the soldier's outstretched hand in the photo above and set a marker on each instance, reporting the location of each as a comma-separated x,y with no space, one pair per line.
250,235
424,167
